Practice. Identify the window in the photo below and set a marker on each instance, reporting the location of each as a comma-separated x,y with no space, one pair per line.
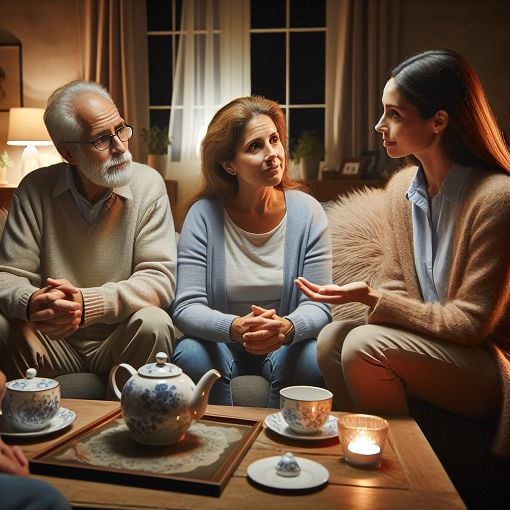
163,20
288,58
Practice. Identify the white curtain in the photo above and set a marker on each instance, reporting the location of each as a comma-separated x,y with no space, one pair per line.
362,48
213,67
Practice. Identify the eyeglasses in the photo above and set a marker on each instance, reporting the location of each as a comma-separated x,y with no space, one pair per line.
103,142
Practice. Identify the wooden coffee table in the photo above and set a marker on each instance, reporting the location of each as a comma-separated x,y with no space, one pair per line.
411,476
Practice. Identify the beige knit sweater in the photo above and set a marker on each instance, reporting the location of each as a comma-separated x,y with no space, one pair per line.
477,308
123,262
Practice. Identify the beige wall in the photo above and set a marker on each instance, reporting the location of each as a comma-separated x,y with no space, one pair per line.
479,29
50,33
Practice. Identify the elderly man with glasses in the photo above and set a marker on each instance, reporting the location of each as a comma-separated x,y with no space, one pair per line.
87,257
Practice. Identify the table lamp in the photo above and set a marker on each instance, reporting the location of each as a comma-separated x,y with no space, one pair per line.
26,128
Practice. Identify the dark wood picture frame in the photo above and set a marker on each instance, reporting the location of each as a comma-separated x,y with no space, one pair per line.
61,459
351,169
11,80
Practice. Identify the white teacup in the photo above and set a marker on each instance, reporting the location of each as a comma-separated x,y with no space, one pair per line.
305,408
30,404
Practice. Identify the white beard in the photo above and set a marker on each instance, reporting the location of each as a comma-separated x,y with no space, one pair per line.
102,174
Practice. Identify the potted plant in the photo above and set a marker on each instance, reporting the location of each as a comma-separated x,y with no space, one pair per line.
309,151
157,142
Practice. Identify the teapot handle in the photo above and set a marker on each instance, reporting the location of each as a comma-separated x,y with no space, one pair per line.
113,382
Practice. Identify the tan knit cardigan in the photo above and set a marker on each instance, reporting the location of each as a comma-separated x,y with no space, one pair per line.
477,308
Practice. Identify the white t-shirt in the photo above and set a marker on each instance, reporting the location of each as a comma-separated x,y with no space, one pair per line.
254,266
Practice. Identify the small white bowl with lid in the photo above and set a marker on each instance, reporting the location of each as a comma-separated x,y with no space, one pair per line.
30,404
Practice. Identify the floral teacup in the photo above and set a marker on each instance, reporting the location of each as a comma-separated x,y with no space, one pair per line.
305,408
30,404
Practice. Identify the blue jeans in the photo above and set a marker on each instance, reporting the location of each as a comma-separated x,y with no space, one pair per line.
295,364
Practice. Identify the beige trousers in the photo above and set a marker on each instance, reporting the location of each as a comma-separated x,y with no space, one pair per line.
135,340
374,369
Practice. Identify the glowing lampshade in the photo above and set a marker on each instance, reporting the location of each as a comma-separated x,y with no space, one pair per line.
26,128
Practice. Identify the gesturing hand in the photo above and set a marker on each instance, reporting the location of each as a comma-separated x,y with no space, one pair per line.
56,310
358,292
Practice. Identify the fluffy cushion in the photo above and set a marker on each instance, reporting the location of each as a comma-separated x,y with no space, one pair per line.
356,230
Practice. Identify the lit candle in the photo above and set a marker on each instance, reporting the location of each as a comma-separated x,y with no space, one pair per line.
363,453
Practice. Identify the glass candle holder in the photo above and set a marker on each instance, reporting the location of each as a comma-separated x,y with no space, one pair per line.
363,437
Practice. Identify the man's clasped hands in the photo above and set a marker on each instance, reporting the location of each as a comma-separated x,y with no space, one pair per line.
56,309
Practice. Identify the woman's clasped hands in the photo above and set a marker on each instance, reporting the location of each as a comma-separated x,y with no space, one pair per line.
261,331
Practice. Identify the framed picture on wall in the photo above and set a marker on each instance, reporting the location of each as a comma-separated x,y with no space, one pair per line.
11,83
351,169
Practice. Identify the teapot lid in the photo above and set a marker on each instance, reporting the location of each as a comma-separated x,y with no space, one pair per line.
32,383
161,368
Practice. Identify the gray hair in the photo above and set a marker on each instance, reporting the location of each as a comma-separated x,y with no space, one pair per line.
60,114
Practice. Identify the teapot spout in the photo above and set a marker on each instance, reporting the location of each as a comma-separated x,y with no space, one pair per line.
201,393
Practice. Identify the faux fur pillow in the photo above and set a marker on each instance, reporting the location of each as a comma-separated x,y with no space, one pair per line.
356,230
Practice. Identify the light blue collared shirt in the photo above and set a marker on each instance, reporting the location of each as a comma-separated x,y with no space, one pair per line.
433,230
89,212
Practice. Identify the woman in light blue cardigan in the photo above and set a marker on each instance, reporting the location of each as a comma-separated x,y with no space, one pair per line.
249,233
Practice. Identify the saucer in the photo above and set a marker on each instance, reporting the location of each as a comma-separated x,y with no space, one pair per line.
312,474
276,423
61,420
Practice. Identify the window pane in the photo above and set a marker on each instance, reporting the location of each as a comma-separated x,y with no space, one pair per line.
268,66
160,118
305,119
267,13
160,69
307,67
307,13
178,14
159,14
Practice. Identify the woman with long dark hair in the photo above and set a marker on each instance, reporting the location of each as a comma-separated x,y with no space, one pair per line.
439,323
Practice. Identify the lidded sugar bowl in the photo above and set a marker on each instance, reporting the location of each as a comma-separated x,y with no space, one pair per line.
30,404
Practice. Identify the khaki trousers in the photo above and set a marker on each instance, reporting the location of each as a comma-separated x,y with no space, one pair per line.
135,340
374,369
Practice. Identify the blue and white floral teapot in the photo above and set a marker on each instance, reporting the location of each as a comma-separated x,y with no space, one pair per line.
159,402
